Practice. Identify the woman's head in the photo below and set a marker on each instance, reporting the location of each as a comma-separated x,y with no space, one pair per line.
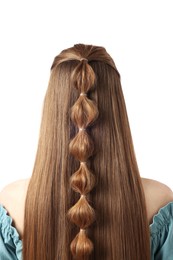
85,184
81,52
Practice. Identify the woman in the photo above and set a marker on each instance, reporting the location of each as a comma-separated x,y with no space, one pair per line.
85,198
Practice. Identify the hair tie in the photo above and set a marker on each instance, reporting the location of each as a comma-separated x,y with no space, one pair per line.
82,230
83,94
82,129
83,59
82,162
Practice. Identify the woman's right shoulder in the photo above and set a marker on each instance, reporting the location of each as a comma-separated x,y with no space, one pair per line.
157,195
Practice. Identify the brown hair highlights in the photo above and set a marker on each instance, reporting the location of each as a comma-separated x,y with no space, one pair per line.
85,143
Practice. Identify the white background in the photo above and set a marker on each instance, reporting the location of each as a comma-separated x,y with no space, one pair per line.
137,34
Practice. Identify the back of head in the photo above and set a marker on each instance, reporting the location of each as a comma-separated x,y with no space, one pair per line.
85,198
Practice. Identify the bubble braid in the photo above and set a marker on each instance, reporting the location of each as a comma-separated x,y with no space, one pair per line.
83,113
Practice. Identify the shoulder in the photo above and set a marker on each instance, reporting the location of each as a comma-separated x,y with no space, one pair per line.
12,198
13,191
157,190
157,195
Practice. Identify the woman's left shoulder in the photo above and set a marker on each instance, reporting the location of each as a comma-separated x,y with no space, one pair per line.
12,198
13,191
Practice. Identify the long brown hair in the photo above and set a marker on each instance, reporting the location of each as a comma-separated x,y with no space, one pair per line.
85,199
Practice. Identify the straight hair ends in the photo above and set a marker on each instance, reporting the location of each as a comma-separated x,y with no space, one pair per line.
85,198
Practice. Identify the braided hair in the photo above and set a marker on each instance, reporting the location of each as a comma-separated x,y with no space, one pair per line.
83,113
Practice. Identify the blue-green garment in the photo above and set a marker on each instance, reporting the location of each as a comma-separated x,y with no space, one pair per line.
161,231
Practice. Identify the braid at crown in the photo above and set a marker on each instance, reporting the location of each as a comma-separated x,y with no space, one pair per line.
83,113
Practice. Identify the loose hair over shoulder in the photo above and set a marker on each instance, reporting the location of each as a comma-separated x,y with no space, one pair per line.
85,198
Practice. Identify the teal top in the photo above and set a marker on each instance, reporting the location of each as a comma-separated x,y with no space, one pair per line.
161,236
